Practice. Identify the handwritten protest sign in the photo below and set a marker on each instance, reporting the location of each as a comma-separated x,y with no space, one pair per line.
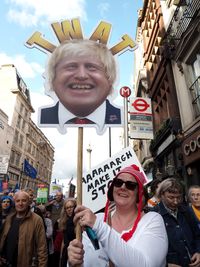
42,195
54,188
98,179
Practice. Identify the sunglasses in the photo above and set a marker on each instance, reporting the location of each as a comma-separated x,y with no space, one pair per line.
129,184
69,207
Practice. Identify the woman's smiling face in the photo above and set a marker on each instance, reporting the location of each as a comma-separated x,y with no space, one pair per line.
122,195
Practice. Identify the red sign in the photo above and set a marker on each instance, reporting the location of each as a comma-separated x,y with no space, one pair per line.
140,105
41,185
125,91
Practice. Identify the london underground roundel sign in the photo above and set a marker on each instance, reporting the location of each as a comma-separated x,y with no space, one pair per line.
125,91
140,105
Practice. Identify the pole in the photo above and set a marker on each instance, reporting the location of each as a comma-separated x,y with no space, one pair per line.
79,177
110,152
125,92
20,176
126,143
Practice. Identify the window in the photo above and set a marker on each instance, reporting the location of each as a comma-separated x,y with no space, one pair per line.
23,125
19,119
26,113
195,86
12,157
16,137
29,147
34,151
21,140
17,158
161,104
21,108
13,176
1,124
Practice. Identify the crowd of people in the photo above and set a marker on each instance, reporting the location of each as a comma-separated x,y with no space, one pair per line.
144,228
34,234
138,232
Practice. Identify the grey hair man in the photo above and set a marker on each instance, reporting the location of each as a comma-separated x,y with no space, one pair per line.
81,73
183,232
23,236
55,206
194,201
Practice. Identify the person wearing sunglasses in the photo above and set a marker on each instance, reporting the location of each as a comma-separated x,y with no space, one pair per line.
126,235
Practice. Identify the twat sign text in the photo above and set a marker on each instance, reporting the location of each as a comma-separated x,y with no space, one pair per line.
67,30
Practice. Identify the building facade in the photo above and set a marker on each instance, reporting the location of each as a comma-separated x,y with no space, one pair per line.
183,46
141,147
6,137
27,137
171,46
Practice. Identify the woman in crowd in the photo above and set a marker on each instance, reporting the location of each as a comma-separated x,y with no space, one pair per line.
66,225
49,235
194,202
126,236
154,200
57,242
5,209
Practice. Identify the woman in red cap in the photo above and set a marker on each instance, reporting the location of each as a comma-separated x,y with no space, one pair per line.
126,236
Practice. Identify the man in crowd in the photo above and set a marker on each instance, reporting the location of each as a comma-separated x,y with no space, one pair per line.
81,74
30,192
183,232
23,238
55,206
194,199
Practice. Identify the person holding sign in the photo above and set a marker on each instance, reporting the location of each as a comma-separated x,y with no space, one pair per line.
126,235
80,76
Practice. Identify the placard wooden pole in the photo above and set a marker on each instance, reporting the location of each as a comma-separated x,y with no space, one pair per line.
79,177
126,141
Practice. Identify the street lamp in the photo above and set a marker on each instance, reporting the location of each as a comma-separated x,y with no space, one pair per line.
21,176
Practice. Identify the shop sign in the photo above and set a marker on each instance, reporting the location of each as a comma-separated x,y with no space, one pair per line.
192,146
141,118
4,160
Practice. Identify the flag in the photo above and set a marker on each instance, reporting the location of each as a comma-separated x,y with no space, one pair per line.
72,189
29,170
16,187
1,185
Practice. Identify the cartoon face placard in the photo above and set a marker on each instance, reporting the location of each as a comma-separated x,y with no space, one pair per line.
80,77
